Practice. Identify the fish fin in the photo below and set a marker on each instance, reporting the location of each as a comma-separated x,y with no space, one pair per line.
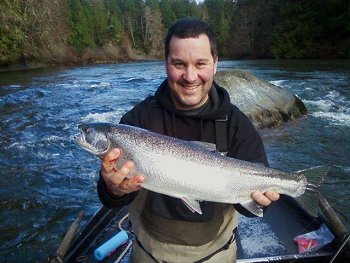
253,208
309,202
192,204
315,177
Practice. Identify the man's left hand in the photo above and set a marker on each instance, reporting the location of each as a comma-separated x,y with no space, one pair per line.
265,199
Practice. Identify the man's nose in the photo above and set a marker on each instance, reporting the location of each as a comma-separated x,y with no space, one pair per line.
190,74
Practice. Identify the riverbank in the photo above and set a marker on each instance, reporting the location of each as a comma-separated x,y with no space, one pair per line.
109,54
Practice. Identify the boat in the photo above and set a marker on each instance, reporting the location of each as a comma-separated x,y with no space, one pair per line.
266,239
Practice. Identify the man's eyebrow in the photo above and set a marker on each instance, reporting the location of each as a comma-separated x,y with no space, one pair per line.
204,60
172,60
175,60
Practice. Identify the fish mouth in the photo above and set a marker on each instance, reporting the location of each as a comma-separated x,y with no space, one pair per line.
95,146
80,139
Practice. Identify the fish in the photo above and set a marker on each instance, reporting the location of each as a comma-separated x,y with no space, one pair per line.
192,173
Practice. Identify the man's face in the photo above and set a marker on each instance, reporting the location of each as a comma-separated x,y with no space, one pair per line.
190,68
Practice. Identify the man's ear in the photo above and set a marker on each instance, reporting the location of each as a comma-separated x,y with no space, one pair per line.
216,60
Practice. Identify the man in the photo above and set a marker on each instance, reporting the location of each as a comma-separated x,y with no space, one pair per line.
188,105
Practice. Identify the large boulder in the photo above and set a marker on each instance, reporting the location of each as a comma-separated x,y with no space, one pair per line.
265,104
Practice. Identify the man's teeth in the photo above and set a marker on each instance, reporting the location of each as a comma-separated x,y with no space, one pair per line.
190,87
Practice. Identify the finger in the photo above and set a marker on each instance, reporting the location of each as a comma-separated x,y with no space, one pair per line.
132,184
109,160
122,173
272,195
138,179
112,156
260,198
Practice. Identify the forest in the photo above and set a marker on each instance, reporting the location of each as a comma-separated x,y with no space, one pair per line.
92,31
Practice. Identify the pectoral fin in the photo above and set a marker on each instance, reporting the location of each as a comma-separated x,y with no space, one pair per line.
191,204
253,208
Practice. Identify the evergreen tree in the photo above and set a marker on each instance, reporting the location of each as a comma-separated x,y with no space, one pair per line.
295,36
12,35
115,30
79,37
168,15
220,14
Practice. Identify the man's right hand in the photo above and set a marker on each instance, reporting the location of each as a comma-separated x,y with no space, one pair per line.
116,178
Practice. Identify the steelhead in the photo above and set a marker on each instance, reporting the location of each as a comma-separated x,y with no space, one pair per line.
185,170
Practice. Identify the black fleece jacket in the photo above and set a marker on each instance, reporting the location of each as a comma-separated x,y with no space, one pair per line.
158,113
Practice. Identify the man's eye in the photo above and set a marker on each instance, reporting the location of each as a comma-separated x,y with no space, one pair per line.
202,65
179,65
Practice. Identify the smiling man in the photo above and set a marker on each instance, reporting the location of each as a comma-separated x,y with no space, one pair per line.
190,68
188,105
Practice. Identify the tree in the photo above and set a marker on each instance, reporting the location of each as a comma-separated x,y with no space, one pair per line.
295,36
250,28
31,30
79,37
153,30
168,15
220,14
97,19
115,30
132,19
12,35
152,4
334,37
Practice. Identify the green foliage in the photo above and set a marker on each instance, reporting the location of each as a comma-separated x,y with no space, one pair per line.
79,37
115,29
30,30
220,17
312,29
168,15
296,35
94,23
12,35
245,28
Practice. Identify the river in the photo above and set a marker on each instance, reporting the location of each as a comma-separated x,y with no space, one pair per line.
46,178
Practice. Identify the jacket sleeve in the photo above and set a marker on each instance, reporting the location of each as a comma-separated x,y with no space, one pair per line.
133,117
111,201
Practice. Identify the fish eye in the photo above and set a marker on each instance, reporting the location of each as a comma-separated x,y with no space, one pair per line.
87,130
90,133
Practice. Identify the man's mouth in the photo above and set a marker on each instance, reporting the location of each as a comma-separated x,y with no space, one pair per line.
192,87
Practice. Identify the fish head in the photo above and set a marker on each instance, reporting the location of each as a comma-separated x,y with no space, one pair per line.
94,137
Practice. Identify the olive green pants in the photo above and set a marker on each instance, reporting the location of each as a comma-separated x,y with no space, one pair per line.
176,253
138,255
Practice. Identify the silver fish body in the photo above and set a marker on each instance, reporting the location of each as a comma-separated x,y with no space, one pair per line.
188,171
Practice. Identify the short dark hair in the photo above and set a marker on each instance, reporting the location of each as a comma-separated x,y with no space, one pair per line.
191,28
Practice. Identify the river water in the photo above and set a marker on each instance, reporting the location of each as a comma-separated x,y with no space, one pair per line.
46,178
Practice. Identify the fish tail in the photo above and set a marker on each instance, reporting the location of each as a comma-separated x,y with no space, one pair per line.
315,177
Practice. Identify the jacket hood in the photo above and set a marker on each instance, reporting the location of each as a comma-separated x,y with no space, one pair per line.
216,107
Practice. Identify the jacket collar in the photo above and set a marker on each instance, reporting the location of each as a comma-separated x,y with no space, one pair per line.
216,107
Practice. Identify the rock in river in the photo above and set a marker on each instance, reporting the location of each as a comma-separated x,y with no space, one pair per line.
265,104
